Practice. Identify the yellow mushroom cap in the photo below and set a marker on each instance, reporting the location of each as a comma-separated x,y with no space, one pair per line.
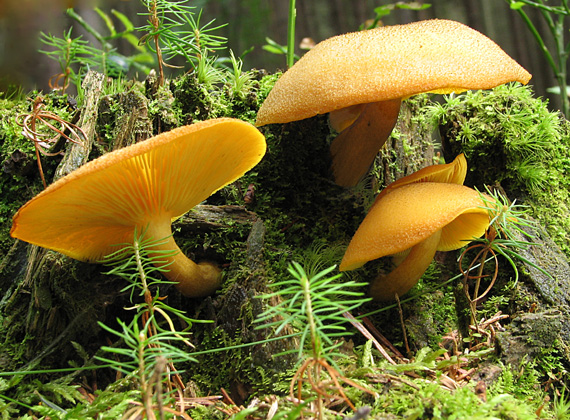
451,173
412,213
389,62
90,212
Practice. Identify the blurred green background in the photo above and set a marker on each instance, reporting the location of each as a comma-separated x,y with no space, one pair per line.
249,23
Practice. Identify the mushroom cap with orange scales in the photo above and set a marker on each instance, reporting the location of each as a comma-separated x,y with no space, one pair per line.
410,214
389,62
94,210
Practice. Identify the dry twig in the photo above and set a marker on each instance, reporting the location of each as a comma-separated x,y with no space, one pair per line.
44,140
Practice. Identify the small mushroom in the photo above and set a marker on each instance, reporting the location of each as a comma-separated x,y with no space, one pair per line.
412,222
360,78
450,173
89,213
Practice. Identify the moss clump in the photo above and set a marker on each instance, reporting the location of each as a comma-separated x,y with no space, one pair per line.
432,401
123,119
196,101
511,138
20,178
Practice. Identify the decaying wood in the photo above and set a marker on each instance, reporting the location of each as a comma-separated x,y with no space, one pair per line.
410,151
204,217
131,122
78,153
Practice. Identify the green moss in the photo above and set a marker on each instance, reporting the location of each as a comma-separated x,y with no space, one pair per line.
510,138
196,102
240,369
432,401
521,382
21,180
431,315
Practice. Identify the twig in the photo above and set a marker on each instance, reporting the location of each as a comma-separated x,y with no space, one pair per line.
368,335
380,337
408,352
42,141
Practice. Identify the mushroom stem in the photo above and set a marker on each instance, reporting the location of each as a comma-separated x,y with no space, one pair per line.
354,149
192,280
406,275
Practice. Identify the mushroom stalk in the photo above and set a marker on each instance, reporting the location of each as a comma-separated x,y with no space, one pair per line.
354,149
192,280
407,274
88,212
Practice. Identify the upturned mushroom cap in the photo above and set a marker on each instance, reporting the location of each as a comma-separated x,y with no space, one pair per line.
410,214
389,62
94,210
450,173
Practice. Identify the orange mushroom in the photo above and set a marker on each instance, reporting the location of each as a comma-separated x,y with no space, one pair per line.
90,212
360,78
415,220
415,223
450,173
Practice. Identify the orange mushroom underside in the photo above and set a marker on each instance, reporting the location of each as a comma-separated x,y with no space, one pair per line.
96,209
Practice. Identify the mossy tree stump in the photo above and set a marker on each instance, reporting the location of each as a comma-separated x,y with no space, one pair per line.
51,300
